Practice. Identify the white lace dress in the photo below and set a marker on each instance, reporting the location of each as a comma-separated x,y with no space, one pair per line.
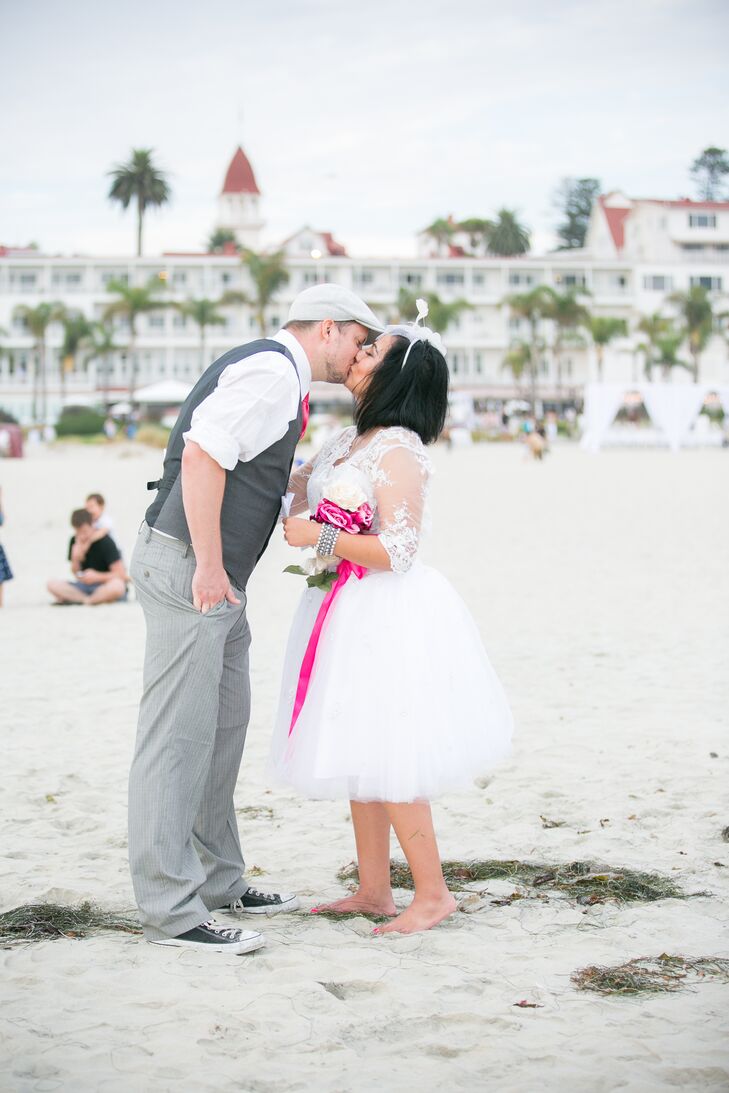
402,703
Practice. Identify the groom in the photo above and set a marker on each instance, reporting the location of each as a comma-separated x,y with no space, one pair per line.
225,471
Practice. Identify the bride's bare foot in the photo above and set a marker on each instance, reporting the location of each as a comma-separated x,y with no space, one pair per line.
359,903
422,914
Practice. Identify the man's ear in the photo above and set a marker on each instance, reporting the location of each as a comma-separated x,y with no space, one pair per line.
328,327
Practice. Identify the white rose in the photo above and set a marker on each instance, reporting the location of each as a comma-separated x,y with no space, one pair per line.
347,495
318,564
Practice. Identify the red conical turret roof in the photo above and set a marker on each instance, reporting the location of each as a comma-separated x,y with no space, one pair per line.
239,178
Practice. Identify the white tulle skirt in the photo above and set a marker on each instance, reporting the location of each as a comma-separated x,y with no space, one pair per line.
402,705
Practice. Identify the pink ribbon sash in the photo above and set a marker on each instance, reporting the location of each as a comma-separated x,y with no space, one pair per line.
344,570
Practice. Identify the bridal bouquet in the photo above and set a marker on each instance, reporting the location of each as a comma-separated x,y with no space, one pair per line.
344,506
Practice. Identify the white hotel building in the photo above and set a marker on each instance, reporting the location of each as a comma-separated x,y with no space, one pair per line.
637,251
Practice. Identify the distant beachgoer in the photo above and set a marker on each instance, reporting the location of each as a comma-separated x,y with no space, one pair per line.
110,428
6,573
96,564
96,507
536,443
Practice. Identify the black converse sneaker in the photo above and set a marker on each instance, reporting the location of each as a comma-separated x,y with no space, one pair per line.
213,937
254,902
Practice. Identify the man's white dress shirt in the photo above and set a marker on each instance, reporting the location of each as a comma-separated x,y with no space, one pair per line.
251,407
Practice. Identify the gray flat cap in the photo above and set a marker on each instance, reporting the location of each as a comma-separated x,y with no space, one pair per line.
329,301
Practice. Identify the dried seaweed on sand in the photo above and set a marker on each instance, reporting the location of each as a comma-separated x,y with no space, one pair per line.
586,882
47,921
649,975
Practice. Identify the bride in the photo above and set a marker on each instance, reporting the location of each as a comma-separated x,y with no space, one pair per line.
397,703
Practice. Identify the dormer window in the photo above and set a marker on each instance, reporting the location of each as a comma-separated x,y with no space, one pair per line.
702,220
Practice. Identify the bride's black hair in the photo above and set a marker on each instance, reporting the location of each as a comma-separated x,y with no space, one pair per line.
414,397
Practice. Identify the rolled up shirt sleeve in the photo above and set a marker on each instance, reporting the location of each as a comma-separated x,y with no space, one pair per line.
249,410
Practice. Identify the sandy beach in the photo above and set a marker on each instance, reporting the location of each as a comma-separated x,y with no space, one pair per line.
600,587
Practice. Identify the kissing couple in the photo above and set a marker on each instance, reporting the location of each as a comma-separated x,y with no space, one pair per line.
387,699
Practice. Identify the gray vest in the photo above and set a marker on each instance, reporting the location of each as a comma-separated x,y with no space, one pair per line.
253,490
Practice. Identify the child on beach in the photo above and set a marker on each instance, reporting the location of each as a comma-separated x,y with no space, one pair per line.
6,574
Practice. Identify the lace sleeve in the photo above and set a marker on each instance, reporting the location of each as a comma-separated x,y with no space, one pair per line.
298,483
400,480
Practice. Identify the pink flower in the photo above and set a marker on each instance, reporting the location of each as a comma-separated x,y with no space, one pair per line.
329,513
363,516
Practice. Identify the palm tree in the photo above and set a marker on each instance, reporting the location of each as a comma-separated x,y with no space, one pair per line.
507,236
37,320
141,181
604,329
77,331
694,308
219,239
102,345
268,273
441,231
568,315
204,313
131,303
654,327
666,352
518,360
531,306
478,232
440,314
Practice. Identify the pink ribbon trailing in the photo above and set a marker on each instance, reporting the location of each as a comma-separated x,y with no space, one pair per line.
344,571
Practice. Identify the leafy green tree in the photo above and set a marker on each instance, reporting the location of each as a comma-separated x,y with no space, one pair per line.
440,314
666,349
574,200
219,239
531,306
478,232
204,313
77,332
569,315
268,273
654,327
695,311
133,301
518,361
141,181
603,330
101,347
37,320
441,231
507,236
709,171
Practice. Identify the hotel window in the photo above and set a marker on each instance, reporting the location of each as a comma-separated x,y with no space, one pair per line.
571,280
179,322
412,280
702,220
179,277
479,280
110,275
657,282
226,278
156,322
693,246
450,278
478,363
712,284
521,278
364,276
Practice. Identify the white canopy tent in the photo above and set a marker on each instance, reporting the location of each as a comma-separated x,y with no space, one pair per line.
165,393
672,407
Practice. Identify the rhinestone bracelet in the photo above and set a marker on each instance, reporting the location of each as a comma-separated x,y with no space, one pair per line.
327,540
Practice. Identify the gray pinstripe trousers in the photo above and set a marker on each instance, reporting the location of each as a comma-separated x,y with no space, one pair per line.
184,851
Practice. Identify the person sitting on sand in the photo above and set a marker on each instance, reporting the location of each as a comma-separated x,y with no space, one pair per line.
96,564
96,506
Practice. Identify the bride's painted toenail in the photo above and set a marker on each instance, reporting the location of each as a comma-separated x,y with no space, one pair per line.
376,930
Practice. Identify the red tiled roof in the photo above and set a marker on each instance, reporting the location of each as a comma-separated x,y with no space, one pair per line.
685,203
336,250
240,178
454,251
616,222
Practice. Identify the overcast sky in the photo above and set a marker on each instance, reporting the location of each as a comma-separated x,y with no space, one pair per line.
366,119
